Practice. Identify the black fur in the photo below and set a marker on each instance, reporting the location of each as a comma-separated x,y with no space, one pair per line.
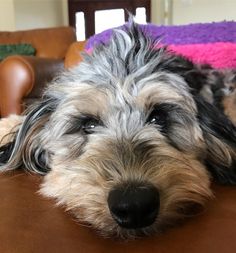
39,159
33,157
6,151
214,123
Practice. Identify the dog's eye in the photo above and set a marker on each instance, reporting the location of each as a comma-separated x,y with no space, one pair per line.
159,116
83,123
89,125
231,88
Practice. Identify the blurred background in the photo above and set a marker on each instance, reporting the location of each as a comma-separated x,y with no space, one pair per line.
30,14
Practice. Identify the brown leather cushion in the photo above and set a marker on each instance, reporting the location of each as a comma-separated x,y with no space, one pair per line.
73,55
48,42
30,223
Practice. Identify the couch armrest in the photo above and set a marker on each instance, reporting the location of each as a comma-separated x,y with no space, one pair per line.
73,55
24,76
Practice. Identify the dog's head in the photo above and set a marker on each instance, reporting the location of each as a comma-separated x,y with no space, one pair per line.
122,140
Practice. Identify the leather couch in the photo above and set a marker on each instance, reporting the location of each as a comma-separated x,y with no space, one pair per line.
23,78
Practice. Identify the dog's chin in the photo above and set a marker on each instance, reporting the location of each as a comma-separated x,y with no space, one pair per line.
124,234
108,228
132,234
159,226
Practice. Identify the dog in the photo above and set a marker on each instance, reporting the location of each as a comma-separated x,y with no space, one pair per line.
125,140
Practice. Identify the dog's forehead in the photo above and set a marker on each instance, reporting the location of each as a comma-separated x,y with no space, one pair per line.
128,71
104,99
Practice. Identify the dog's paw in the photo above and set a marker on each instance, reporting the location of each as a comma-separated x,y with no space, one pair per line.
8,125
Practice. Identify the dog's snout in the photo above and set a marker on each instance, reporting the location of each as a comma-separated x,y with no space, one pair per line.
134,206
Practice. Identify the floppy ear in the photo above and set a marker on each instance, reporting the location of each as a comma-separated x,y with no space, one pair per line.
220,138
25,148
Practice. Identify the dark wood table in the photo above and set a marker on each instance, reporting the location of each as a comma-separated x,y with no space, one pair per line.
30,223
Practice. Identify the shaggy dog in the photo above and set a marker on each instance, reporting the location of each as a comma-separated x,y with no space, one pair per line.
125,140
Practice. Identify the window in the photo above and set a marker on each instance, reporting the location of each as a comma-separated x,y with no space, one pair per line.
90,17
105,19
80,26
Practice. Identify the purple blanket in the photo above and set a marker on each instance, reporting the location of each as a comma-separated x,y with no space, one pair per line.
183,34
209,43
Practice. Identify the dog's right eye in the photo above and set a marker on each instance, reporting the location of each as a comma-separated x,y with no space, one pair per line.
158,117
84,123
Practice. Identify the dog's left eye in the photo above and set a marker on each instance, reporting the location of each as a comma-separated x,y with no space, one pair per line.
159,117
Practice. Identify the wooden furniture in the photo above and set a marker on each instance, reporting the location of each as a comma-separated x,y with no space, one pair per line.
90,6
30,223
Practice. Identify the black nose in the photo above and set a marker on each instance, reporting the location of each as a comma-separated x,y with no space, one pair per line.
134,206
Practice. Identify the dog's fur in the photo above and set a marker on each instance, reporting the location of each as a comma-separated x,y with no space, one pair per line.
128,113
220,90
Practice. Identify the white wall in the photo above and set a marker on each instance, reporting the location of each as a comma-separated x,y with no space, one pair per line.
28,14
192,11
195,11
38,13
157,11
7,18
65,12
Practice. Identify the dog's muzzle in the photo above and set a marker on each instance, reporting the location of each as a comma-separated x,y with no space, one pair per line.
134,206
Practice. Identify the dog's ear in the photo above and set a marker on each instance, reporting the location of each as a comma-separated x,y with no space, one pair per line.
26,148
194,75
220,138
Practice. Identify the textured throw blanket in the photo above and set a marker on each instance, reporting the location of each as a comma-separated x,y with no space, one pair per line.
210,43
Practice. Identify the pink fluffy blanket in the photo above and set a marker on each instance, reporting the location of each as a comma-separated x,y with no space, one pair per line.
221,55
